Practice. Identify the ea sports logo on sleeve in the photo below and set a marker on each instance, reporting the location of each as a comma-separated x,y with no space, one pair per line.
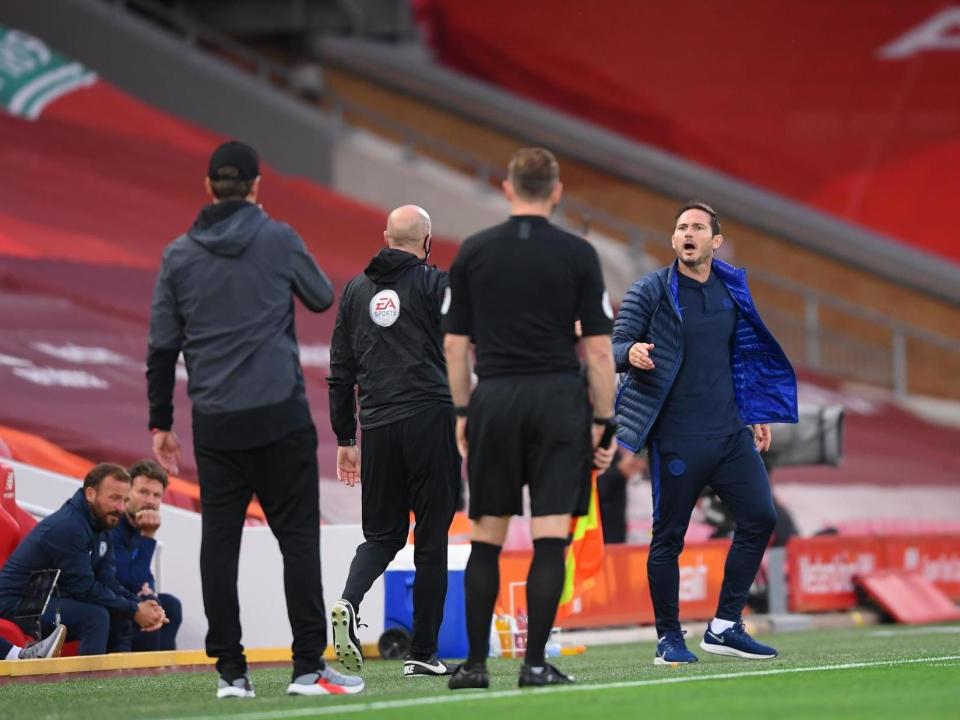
385,308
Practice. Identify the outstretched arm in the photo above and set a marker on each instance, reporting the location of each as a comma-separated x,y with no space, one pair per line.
631,327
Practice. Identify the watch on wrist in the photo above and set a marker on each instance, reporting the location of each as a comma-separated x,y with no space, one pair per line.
347,443
461,410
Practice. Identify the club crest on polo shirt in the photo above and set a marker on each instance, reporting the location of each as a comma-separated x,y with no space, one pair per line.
103,548
385,308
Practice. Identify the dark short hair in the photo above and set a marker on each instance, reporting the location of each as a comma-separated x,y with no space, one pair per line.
104,470
534,173
697,205
229,184
149,469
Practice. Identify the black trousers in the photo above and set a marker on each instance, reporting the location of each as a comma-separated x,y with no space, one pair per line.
412,464
612,494
679,470
284,476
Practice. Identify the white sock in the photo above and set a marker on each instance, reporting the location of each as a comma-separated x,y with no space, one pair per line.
14,653
717,625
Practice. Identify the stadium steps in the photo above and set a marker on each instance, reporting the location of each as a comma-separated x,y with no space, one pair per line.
856,305
855,308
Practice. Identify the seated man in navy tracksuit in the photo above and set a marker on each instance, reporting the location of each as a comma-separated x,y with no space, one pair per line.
75,539
702,380
133,547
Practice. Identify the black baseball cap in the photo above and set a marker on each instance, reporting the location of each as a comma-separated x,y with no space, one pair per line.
235,154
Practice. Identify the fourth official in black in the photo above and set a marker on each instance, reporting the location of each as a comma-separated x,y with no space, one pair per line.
387,345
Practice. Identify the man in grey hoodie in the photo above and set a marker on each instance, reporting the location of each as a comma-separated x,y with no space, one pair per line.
224,297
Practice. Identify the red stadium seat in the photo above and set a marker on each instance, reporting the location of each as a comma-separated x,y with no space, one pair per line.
12,633
9,539
9,535
8,489
25,520
15,524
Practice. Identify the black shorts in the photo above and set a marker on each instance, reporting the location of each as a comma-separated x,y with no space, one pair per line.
533,431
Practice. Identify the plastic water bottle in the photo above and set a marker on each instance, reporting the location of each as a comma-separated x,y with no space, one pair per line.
520,636
502,623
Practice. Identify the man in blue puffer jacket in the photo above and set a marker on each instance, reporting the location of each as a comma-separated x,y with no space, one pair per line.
702,379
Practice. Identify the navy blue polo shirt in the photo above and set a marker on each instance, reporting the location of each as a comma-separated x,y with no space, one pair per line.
701,402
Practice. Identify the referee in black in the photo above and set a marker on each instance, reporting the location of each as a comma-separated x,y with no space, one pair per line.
516,291
387,342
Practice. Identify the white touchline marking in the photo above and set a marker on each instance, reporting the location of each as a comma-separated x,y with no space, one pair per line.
939,630
500,694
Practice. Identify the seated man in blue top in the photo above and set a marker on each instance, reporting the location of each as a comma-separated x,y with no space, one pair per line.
133,547
76,539
702,380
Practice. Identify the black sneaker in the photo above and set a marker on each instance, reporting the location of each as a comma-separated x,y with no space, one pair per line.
433,667
345,641
464,678
547,675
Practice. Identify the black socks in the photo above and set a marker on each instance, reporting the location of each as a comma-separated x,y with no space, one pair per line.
481,582
544,587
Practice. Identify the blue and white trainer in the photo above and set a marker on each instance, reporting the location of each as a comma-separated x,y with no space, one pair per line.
736,642
672,650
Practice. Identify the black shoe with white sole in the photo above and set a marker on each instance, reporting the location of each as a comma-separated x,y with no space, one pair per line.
469,678
345,641
541,676
434,667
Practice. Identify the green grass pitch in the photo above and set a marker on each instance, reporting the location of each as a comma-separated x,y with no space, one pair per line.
873,673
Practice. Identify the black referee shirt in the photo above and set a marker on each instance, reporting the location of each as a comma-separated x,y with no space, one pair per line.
516,290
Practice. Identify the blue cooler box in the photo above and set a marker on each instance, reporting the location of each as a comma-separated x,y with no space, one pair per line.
398,600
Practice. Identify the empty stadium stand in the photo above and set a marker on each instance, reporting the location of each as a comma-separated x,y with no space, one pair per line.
850,302
850,107
103,183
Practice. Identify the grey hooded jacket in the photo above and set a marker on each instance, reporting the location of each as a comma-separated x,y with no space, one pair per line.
224,297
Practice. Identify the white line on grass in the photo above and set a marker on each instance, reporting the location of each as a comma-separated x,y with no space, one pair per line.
938,630
500,694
